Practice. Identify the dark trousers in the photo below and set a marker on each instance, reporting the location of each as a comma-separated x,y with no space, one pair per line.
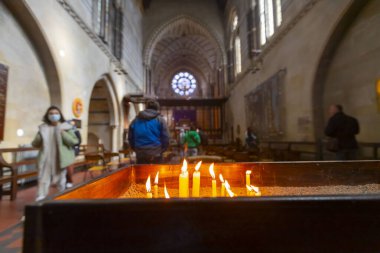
347,154
148,159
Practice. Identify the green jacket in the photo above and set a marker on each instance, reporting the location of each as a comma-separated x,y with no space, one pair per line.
65,144
192,139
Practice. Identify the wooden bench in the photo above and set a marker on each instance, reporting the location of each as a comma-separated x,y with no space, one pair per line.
10,174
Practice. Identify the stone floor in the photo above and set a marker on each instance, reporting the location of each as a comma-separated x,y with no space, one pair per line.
11,213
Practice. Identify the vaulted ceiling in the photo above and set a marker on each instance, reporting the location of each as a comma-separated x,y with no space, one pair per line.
184,45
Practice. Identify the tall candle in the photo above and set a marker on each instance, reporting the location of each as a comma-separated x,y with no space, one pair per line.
248,179
228,189
155,187
184,181
222,188
213,182
196,180
148,188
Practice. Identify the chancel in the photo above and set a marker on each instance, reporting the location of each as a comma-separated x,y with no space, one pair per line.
241,152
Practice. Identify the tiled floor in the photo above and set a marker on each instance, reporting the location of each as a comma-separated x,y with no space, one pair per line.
11,212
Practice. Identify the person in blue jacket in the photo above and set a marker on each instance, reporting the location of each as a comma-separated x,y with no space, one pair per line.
148,134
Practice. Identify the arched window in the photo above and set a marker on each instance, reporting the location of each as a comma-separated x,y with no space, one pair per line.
184,83
270,14
236,43
237,55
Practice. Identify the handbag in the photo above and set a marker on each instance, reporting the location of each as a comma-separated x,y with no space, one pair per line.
332,145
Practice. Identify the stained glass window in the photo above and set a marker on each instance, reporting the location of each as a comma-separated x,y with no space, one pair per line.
184,83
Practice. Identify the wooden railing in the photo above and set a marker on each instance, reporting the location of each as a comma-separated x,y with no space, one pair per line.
10,173
318,149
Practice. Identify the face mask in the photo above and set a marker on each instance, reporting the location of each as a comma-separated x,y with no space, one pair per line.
54,117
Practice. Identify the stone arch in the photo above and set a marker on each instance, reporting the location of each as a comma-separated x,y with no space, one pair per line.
105,113
232,13
22,13
325,60
182,41
163,29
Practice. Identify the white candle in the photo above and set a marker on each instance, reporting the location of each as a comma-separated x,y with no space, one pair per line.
184,181
213,182
196,180
222,188
155,187
148,188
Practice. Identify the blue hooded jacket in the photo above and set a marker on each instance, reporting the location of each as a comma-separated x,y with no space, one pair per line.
148,133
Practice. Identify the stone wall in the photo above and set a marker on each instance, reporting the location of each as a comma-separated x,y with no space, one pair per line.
296,47
27,90
80,63
354,72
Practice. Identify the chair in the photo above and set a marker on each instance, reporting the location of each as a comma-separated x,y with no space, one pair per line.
96,163
111,163
127,159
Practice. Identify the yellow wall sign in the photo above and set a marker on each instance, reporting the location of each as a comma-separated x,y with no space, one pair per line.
77,107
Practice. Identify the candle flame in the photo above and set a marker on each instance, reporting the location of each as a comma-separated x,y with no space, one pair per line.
211,169
156,178
198,166
221,178
184,166
166,192
228,189
148,187
248,172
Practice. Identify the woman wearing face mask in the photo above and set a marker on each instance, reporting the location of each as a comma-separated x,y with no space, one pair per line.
56,139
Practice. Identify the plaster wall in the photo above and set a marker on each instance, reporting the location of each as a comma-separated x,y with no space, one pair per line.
27,90
80,63
298,52
354,71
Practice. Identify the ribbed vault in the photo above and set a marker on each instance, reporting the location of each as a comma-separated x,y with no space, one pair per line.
183,44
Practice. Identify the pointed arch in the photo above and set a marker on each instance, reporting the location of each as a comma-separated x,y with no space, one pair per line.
169,27
105,113
22,13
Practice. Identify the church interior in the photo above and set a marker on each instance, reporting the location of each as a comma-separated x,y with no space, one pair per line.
224,66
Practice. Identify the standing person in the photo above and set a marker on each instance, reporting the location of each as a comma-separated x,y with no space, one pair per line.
250,138
192,140
343,128
204,140
148,134
70,169
56,140
181,142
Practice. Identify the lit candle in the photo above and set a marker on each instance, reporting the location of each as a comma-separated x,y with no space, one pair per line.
184,181
253,191
256,191
211,169
222,188
228,189
248,179
148,188
155,187
196,180
166,192
249,190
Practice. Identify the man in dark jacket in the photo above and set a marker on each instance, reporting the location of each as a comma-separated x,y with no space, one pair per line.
343,128
148,135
